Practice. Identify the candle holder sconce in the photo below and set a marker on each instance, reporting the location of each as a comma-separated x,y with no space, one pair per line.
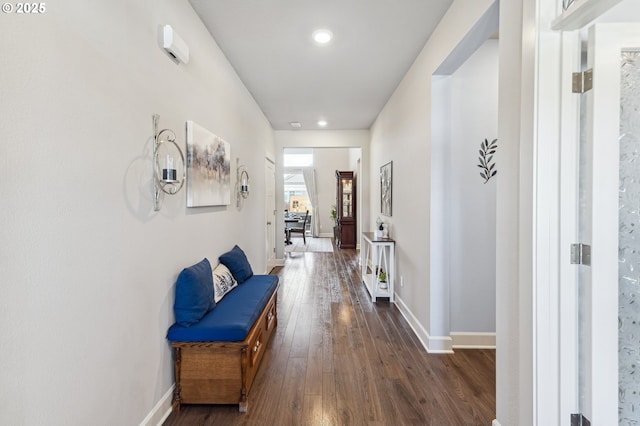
166,179
242,184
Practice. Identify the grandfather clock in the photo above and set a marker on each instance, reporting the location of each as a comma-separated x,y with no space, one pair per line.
346,209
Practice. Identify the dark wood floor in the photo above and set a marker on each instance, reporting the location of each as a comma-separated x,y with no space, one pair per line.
339,359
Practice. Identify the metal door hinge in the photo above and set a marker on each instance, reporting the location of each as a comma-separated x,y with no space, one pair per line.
579,420
580,254
582,81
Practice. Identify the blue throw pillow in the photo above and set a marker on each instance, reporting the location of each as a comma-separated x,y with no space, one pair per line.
237,263
194,293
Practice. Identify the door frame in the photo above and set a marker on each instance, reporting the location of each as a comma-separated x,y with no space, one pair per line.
555,141
270,214
604,344
568,228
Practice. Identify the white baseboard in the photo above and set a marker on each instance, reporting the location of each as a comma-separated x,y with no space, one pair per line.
445,344
473,340
325,235
279,262
432,344
495,423
270,266
161,411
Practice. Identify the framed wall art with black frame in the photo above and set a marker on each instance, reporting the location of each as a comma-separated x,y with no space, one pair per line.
386,186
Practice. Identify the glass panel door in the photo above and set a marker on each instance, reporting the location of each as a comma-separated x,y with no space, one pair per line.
629,240
609,205
347,210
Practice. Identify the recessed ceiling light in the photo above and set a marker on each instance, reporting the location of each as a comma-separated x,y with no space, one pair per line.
322,36
322,123
295,124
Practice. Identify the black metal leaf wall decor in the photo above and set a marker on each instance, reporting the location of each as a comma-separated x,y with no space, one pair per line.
486,156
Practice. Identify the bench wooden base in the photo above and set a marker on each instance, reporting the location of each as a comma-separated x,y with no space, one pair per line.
222,372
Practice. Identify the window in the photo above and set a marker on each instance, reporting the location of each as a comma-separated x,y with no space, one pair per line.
298,157
296,198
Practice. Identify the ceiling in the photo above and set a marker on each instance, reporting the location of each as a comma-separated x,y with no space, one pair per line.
293,79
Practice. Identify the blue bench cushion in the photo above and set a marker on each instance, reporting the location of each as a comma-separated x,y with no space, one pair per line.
233,317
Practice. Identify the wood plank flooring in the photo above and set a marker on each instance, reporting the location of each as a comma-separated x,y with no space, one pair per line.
312,244
338,359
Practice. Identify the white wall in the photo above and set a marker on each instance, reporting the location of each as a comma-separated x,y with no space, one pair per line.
321,139
355,164
472,219
402,134
326,161
514,319
440,191
88,268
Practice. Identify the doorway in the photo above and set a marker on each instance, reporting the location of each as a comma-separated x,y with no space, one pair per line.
324,162
599,310
464,114
270,213
330,150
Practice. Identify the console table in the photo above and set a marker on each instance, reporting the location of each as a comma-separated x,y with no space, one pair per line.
376,254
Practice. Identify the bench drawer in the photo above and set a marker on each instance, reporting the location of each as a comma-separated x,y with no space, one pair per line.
271,318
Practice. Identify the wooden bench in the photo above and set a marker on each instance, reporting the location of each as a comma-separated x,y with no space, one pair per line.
219,372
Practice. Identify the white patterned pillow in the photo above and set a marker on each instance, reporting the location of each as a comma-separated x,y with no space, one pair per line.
223,281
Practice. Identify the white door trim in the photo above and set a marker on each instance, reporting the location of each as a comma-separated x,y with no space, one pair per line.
568,233
270,214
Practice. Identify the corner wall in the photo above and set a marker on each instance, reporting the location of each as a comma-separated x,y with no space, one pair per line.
514,241
472,214
402,134
88,268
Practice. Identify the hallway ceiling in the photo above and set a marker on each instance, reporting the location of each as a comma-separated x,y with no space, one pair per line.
346,82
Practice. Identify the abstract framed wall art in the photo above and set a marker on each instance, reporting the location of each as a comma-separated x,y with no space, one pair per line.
208,168
386,186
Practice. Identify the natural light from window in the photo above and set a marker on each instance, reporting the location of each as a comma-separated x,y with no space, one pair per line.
296,198
298,158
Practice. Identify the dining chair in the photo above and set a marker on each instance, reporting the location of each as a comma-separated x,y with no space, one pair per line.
300,227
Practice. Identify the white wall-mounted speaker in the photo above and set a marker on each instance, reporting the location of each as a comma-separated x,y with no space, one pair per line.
174,46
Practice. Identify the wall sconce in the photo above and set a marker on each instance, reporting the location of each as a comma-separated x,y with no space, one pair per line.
242,184
166,179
